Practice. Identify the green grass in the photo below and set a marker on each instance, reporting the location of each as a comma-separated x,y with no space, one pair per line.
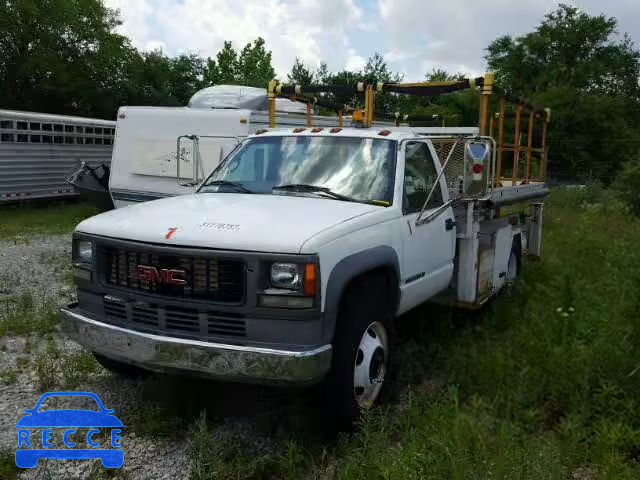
22,221
8,469
543,383
21,315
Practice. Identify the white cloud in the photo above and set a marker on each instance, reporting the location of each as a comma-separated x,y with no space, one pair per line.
455,33
313,30
417,35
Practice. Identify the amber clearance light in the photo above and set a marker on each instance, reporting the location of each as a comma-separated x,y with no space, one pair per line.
310,279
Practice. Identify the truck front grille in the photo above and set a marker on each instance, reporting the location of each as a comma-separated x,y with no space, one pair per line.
206,278
177,321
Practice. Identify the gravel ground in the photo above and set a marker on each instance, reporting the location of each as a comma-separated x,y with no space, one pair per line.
41,266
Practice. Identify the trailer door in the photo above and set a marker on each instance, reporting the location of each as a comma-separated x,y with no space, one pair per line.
428,247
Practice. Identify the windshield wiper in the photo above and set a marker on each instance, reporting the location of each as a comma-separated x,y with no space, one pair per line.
228,183
304,187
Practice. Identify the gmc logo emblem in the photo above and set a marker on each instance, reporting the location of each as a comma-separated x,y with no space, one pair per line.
166,276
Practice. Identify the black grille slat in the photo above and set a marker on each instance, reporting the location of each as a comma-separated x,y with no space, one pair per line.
177,320
208,278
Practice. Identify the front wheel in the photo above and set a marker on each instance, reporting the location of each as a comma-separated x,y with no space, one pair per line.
360,364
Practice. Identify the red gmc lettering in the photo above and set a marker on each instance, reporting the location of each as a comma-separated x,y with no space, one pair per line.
168,276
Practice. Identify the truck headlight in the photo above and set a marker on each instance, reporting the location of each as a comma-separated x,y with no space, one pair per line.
84,251
287,275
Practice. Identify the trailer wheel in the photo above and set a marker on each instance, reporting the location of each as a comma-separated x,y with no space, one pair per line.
120,368
359,372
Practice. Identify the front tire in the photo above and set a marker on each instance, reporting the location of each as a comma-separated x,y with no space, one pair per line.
359,374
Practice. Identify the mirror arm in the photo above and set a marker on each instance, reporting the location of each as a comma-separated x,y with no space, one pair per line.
437,182
433,215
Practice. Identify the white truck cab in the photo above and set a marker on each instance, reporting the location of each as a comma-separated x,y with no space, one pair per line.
294,256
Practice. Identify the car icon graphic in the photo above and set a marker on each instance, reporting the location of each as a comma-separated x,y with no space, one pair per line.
68,419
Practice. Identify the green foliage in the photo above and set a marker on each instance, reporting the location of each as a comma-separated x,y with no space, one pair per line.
21,221
251,66
300,74
627,182
8,468
21,315
577,65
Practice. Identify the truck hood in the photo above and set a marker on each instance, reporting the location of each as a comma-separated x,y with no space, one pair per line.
255,222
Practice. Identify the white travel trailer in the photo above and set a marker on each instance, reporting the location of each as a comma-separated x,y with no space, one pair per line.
144,164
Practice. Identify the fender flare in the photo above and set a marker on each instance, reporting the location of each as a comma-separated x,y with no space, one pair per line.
346,270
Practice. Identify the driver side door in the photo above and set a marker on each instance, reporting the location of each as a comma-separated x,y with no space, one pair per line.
429,244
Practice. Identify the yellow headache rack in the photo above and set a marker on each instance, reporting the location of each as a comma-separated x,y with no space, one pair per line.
521,136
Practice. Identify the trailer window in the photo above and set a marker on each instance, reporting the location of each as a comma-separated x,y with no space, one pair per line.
47,127
68,128
34,126
23,126
419,177
6,137
57,127
46,138
6,124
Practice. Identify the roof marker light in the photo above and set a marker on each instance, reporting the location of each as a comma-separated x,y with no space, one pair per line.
298,130
335,130
316,130
384,132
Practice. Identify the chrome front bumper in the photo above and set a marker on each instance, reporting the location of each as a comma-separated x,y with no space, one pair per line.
215,360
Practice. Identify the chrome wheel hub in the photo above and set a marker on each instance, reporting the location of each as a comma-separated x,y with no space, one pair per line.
370,365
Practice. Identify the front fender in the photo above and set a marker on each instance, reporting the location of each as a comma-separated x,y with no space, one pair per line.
346,270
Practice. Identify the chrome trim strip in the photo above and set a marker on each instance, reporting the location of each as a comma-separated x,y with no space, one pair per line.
215,360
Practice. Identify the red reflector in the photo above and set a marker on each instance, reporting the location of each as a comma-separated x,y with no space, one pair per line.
477,168
335,130
122,115
298,130
261,131
316,130
384,133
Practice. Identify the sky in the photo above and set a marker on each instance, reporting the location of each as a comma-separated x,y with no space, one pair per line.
415,36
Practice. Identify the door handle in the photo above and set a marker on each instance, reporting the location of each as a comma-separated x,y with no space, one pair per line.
449,223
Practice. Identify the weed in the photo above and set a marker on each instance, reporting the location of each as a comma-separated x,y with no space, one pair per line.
8,377
76,368
47,367
8,469
154,420
22,363
23,316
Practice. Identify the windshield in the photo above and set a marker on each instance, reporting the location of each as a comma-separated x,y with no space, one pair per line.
362,169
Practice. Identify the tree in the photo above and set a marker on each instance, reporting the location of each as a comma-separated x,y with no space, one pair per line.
60,57
224,69
254,65
574,63
300,74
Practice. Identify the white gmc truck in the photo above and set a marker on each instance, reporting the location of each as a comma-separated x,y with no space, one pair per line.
293,258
